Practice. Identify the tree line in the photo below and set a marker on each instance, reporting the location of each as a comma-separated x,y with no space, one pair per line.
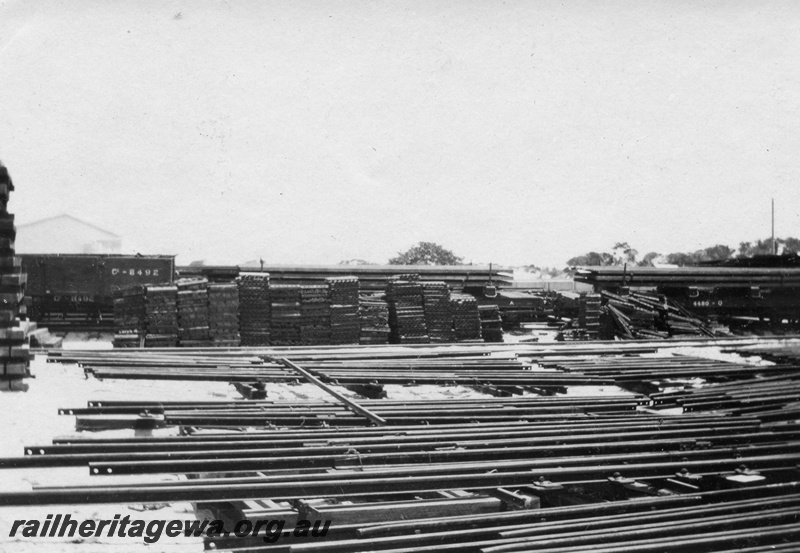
430,253
622,253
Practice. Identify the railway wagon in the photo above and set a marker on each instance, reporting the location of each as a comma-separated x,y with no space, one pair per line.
77,290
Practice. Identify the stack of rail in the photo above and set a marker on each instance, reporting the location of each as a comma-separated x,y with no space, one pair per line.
497,376
625,369
285,314
371,277
15,356
223,314
491,475
193,319
373,316
254,309
343,297
645,316
438,311
771,399
406,310
315,315
602,277
466,318
491,323
161,316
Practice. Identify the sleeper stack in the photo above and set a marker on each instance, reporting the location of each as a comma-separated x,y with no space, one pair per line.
223,315
438,311
315,315
285,309
466,318
343,297
254,309
373,314
130,318
491,323
15,356
406,311
193,329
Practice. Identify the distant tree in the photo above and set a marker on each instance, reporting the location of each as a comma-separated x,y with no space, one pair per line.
680,259
791,245
624,253
426,253
717,252
764,247
759,247
591,259
647,260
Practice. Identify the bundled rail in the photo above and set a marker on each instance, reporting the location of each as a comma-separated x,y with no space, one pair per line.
640,315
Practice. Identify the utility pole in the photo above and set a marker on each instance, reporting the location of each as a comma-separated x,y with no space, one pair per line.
774,249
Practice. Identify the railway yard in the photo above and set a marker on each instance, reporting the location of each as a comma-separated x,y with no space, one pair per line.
399,277
397,409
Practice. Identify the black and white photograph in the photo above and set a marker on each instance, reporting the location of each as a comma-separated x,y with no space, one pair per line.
400,276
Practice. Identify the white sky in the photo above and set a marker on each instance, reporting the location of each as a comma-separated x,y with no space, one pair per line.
312,132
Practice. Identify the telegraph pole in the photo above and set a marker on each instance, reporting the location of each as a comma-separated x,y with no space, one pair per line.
774,249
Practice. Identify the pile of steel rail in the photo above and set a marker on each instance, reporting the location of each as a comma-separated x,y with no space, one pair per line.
344,369
371,277
689,276
637,315
711,465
